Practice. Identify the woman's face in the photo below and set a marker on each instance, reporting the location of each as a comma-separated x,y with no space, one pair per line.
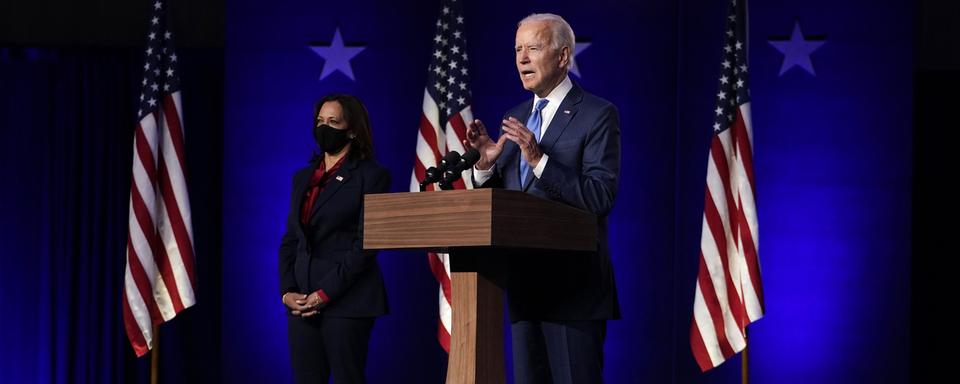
331,113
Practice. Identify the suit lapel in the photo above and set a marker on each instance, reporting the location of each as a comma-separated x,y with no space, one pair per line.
339,178
511,168
568,108
303,181
529,181
511,151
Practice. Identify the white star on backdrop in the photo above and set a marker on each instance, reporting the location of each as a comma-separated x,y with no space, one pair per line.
579,47
797,50
336,56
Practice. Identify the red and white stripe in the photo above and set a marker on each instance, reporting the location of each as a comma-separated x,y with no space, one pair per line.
160,278
729,294
432,144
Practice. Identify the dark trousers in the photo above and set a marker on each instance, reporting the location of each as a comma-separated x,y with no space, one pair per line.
319,346
558,352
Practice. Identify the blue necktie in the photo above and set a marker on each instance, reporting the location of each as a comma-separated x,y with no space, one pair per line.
533,124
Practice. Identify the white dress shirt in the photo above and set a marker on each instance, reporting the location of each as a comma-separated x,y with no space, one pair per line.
555,97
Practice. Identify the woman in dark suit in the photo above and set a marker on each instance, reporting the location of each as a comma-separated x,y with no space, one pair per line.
332,288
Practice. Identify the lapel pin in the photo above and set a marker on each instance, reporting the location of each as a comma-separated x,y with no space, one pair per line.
339,178
567,111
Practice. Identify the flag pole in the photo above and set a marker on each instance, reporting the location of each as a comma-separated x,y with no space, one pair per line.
155,357
744,362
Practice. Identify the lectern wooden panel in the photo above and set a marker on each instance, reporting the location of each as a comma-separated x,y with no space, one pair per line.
474,226
474,218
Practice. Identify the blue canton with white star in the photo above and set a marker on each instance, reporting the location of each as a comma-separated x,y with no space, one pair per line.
448,78
160,76
733,90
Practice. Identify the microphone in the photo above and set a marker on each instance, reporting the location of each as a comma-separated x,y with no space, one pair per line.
450,159
471,157
435,174
456,172
431,176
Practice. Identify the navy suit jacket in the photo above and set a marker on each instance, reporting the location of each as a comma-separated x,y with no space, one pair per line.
328,253
583,170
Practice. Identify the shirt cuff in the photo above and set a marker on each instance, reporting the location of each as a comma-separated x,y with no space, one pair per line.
481,176
538,170
323,296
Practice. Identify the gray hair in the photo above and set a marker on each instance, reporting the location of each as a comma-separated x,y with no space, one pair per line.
562,33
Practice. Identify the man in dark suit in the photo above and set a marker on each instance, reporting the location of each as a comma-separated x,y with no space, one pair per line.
562,145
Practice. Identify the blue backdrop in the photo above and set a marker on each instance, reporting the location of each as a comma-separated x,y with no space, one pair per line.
833,159
832,152
67,119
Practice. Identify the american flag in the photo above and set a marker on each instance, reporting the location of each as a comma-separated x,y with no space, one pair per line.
729,294
160,278
443,125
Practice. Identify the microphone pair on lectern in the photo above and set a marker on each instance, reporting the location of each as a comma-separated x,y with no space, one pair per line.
435,174
450,169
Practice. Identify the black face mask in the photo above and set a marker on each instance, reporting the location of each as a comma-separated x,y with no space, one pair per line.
330,139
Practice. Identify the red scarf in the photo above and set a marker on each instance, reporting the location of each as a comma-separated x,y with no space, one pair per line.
321,177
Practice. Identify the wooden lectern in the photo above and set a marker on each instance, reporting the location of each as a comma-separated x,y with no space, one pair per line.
475,227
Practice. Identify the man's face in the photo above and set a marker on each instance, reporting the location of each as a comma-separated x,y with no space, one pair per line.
540,64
